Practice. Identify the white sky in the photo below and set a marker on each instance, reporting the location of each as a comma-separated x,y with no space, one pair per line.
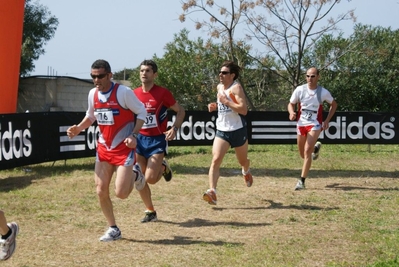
125,32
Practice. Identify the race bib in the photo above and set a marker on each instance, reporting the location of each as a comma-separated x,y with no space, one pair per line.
104,116
150,122
308,115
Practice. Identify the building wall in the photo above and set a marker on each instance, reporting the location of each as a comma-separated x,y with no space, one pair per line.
53,93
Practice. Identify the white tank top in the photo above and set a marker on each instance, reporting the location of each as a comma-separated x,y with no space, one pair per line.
228,120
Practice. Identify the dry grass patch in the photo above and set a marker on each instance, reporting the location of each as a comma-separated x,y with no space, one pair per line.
346,217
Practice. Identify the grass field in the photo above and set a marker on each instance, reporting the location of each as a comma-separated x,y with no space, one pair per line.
347,216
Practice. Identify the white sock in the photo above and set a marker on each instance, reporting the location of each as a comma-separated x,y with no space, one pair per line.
245,172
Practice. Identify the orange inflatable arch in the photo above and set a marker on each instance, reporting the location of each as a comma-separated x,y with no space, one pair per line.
11,27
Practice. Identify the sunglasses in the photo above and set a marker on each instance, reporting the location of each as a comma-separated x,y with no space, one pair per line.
310,76
100,76
224,72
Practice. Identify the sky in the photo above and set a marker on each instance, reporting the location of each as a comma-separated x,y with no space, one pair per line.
125,32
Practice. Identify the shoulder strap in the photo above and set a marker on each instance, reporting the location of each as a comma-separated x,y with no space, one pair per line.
114,90
319,88
318,92
304,88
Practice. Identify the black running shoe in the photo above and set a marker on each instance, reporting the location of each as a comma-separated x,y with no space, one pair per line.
316,152
150,216
167,174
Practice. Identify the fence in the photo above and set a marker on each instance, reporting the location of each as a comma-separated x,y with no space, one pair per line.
30,138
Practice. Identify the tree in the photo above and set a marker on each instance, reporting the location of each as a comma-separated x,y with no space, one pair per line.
189,69
286,29
39,28
124,74
295,32
223,27
365,76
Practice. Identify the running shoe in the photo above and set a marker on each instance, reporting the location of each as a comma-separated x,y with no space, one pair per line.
111,234
316,152
167,174
7,246
300,185
210,197
139,182
248,179
150,216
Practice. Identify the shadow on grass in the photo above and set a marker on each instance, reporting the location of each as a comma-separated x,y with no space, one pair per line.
288,173
350,188
185,240
60,168
16,182
204,223
278,205
37,172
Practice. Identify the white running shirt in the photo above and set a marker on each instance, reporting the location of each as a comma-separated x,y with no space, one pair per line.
309,104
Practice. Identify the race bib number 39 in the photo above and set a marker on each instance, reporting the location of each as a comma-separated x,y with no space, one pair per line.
104,116
150,122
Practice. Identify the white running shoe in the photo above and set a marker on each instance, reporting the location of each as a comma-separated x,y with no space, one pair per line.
316,152
300,185
111,234
139,181
7,246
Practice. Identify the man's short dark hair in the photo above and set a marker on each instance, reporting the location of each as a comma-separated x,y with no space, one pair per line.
233,67
149,62
101,64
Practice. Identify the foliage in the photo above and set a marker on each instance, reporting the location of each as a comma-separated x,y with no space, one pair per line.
189,68
125,74
223,25
265,87
365,75
39,27
287,41
297,30
359,70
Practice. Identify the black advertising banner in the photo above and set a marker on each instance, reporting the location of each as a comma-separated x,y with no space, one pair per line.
344,128
273,127
30,138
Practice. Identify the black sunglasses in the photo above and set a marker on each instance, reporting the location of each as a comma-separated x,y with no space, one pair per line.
224,72
100,76
310,76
